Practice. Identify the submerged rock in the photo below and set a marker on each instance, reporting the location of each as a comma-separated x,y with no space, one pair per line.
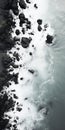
45,26
31,71
40,107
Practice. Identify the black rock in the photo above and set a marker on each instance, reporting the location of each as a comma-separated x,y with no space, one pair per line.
14,66
13,90
49,39
28,24
17,32
16,55
25,42
22,4
30,53
23,30
28,1
35,5
15,78
32,45
39,21
16,39
21,78
21,15
22,19
39,28
15,96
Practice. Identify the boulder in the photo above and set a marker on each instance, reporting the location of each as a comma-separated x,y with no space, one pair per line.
25,42
49,39
39,21
22,4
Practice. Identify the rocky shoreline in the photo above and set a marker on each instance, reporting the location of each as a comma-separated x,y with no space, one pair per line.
11,59
6,43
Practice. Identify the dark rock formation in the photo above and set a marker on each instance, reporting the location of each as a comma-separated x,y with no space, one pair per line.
23,30
39,28
17,32
25,42
35,5
28,24
28,1
30,53
15,96
22,19
22,4
39,21
15,78
19,109
21,78
49,39
16,55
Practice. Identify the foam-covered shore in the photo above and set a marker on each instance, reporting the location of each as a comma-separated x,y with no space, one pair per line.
30,68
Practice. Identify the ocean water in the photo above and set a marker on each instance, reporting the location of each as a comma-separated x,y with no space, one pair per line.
56,117
45,89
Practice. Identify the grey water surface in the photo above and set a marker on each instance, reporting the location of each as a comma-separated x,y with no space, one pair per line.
56,93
